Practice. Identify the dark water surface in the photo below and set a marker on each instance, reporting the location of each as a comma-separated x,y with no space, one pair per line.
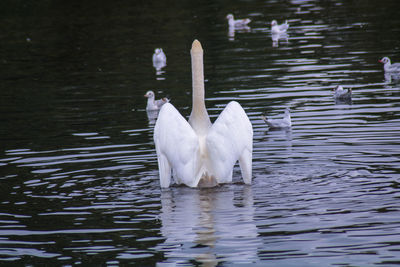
78,170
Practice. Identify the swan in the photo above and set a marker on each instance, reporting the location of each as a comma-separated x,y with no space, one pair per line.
388,67
237,22
198,152
342,94
159,59
286,122
277,29
153,104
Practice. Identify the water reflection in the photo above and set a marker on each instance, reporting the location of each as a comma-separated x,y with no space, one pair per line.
279,37
158,67
209,224
392,77
325,193
232,30
343,101
231,33
279,141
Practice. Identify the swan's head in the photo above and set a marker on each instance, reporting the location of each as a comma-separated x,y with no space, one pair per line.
158,51
384,60
229,16
149,94
338,88
287,111
274,23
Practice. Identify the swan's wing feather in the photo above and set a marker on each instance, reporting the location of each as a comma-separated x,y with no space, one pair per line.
177,147
231,139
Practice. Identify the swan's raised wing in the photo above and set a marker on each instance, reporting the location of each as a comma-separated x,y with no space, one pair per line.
177,147
231,139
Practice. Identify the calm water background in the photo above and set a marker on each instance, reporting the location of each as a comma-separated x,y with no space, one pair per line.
78,169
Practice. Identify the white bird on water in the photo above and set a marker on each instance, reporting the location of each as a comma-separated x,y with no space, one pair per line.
159,59
238,23
286,122
388,66
342,94
197,152
279,29
153,104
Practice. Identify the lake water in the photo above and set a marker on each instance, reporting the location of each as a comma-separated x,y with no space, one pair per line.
78,169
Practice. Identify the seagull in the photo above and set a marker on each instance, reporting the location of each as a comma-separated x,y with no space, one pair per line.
284,123
159,59
388,67
237,22
153,104
277,29
342,94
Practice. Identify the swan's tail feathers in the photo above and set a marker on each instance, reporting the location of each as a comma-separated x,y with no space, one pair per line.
165,171
207,180
245,162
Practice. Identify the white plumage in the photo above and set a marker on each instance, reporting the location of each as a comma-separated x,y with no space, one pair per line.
238,23
159,59
152,103
197,152
284,123
389,67
342,94
275,28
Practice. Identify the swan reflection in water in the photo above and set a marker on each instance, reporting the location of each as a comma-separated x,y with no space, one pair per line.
209,225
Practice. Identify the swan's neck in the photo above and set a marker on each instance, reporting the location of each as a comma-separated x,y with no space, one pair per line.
198,119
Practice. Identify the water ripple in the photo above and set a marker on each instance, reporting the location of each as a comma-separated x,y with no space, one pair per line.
80,180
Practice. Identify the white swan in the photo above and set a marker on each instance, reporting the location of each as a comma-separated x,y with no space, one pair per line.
278,29
153,104
389,67
286,122
198,152
238,23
